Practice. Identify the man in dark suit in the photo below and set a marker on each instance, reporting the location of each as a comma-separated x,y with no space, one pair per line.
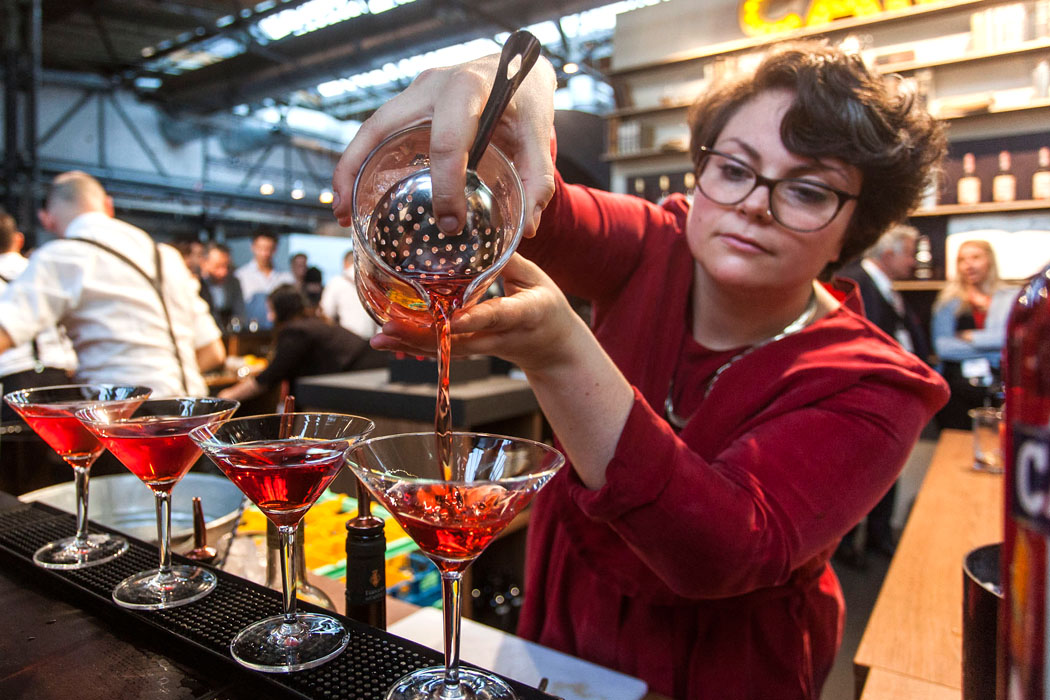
219,287
891,258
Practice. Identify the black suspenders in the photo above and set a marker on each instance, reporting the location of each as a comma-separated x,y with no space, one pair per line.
158,287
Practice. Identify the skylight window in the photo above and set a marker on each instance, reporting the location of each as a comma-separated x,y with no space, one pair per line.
319,14
577,26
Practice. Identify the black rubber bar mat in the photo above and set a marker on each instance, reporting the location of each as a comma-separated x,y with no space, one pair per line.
372,661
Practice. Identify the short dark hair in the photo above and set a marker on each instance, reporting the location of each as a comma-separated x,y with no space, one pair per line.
840,110
8,229
185,245
264,233
287,302
221,247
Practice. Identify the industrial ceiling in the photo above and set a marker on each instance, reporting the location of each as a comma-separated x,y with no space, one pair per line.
142,42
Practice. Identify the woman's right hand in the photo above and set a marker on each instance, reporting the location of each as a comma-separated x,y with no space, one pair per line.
452,99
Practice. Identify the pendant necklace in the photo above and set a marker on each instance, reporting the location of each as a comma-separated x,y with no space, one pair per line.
804,319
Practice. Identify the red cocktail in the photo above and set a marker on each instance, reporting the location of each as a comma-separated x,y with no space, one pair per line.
283,462
283,479
453,504
153,443
49,412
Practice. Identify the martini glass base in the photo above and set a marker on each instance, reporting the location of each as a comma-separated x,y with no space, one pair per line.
429,684
147,590
271,646
67,554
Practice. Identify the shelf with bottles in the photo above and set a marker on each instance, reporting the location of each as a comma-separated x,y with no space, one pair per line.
656,187
680,104
993,176
942,48
930,10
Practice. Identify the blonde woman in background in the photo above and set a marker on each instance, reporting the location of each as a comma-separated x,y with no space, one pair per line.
969,329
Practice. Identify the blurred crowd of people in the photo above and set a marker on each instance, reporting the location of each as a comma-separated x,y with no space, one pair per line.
104,302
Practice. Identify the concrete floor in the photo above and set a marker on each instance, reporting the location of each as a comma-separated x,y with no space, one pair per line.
861,588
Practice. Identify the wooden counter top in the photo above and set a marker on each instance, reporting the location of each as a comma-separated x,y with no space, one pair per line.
915,629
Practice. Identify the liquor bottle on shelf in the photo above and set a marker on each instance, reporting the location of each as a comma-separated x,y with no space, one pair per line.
665,188
1004,184
1041,177
689,181
968,189
923,258
366,565
1024,634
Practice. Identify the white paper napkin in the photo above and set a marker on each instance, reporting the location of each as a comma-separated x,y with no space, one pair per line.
513,657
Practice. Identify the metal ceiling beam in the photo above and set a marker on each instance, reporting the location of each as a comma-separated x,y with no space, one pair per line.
237,27
362,44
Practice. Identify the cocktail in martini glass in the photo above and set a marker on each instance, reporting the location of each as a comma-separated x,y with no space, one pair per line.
153,443
283,462
49,412
453,511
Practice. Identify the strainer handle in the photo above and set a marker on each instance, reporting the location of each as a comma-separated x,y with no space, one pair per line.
520,43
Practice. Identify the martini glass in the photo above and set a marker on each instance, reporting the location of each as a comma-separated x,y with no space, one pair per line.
49,412
453,511
283,462
153,443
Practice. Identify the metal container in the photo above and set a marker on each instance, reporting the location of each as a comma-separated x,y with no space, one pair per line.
124,503
982,598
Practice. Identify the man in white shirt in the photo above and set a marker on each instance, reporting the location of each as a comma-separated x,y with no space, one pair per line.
258,278
131,320
46,360
341,304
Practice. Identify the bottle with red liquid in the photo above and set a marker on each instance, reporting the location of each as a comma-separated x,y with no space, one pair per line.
1024,641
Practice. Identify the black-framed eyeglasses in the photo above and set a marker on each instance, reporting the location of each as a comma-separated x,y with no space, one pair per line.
796,203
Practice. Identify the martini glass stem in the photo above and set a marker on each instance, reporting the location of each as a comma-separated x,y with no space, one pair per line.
80,480
451,599
287,533
164,534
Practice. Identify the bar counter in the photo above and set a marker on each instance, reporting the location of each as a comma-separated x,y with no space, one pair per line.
912,645
63,638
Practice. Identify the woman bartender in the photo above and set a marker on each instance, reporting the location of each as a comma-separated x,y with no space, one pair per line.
729,416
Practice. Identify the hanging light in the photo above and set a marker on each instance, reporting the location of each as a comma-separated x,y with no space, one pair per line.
266,189
325,197
297,190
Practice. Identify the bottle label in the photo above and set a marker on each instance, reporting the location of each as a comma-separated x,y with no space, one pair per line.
969,190
1004,188
1041,185
366,581
1030,485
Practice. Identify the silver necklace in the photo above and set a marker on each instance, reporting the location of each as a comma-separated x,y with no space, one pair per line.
804,319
